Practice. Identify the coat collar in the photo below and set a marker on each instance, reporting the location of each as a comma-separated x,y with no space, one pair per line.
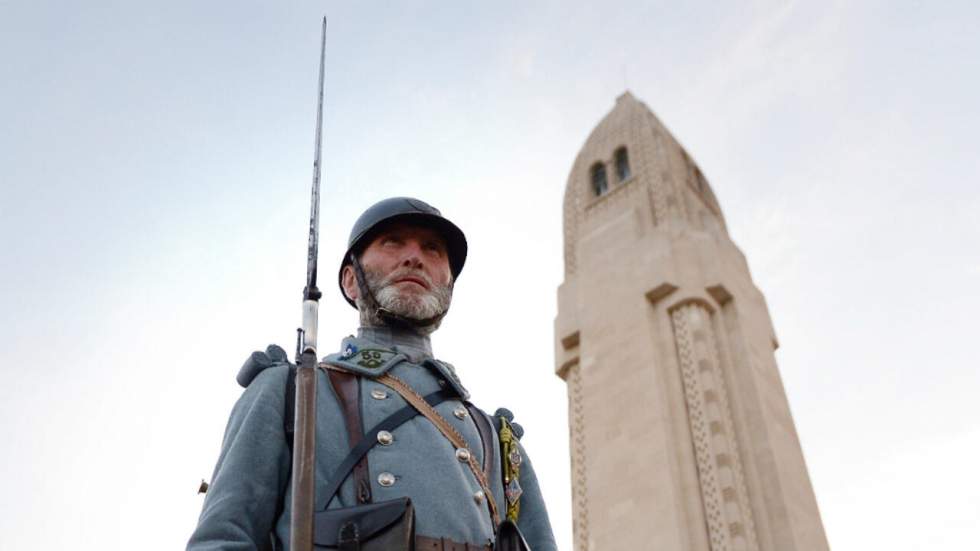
370,359
414,346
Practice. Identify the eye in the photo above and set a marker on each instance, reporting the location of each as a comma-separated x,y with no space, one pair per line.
434,246
390,241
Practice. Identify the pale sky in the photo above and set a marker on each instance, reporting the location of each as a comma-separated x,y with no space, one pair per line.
155,169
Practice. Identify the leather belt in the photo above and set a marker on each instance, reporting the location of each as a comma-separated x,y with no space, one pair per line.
423,543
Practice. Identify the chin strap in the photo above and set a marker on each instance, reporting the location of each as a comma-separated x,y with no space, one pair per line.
390,318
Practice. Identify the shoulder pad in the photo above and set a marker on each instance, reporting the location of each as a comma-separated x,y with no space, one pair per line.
369,362
260,361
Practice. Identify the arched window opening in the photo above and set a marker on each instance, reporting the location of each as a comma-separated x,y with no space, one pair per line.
599,183
622,164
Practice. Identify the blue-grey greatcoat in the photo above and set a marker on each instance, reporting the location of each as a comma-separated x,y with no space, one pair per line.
251,479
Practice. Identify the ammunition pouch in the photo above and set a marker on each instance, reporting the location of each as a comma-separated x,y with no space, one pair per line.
385,526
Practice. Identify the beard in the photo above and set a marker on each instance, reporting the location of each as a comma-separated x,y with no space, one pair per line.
430,303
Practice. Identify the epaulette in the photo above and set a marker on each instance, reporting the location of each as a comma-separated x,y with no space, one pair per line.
260,361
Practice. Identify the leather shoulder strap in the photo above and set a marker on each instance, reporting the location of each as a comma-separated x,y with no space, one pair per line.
289,414
347,388
447,430
486,436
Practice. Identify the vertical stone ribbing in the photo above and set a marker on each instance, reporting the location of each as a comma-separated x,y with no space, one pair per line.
576,428
571,215
723,492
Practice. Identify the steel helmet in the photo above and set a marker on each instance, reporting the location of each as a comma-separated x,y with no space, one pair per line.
403,209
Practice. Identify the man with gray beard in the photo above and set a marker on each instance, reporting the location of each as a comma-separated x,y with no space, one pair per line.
397,437
419,306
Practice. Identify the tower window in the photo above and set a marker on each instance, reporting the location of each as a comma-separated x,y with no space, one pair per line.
599,183
622,164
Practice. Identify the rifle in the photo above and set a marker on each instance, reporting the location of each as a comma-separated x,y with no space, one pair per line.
304,439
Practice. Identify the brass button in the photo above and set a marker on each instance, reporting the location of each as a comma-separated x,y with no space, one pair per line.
460,412
463,454
386,479
479,496
385,438
379,394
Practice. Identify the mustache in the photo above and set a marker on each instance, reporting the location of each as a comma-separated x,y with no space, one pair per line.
408,272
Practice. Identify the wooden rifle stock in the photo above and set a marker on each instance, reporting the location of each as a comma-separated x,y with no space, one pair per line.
304,455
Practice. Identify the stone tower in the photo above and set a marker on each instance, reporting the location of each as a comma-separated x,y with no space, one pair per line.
681,436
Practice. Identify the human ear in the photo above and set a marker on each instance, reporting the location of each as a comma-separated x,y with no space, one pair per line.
349,282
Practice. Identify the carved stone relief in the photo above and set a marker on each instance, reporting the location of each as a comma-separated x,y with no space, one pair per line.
723,492
580,496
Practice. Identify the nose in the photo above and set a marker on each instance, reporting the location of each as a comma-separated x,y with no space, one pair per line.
413,254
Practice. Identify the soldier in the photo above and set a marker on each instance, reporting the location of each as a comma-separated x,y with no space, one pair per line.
402,261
